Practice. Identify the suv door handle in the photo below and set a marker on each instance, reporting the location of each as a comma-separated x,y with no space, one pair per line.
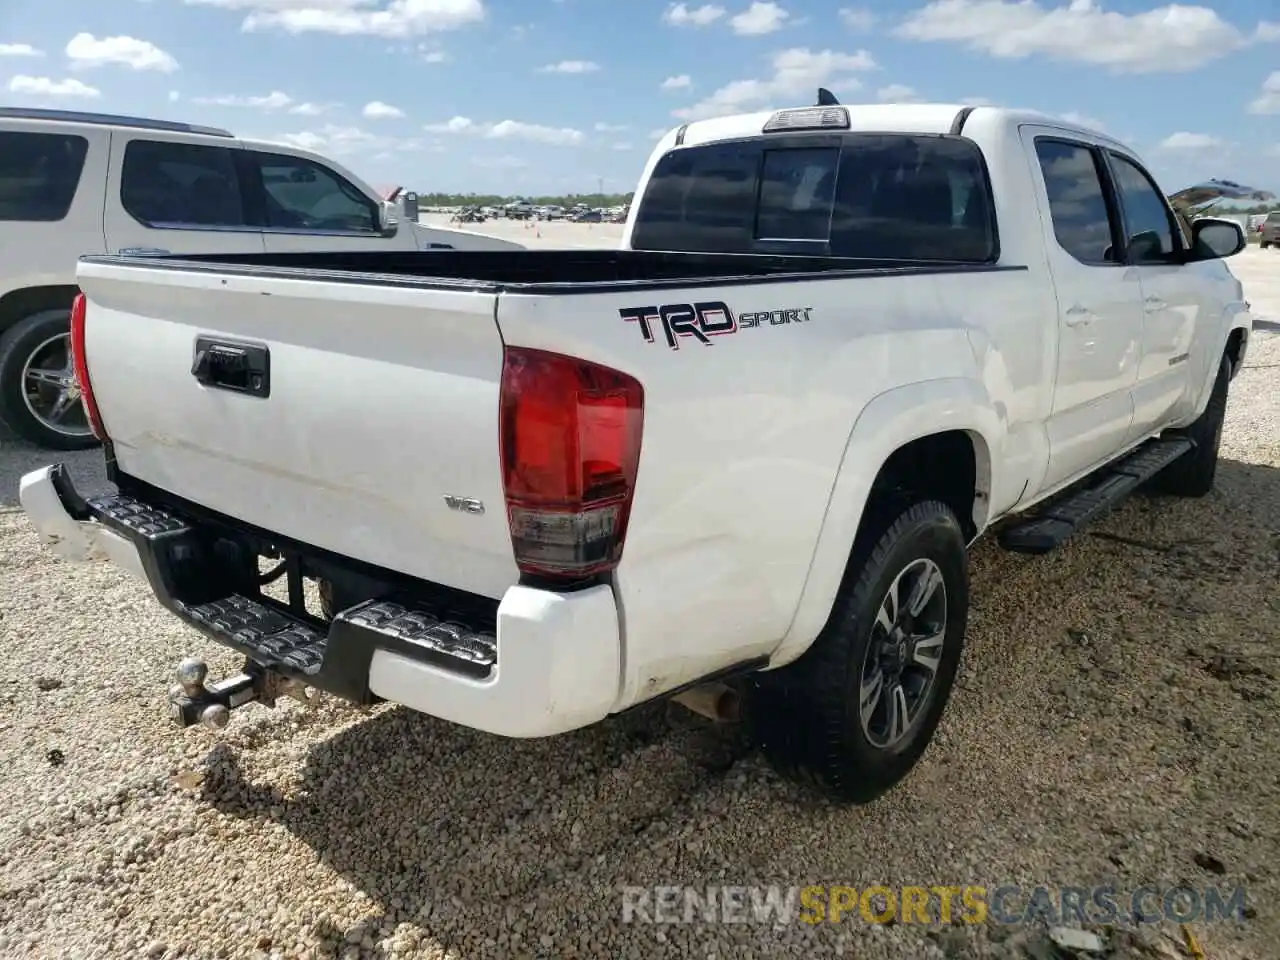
1079,316
1154,303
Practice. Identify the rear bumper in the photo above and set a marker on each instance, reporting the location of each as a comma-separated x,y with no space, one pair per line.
546,663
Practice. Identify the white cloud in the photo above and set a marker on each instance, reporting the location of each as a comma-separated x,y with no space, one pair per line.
510,130
570,66
610,127
1170,39
659,133
763,16
86,50
797,73
270,102
377,110
340,140
275,100
44,87
381,18
435,56
681,15
623,146
682,82
1191,141
856,18
174,96
897,93
1268,99
19,50
1082,120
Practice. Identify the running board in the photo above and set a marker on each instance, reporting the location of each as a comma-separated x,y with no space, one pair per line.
1063,518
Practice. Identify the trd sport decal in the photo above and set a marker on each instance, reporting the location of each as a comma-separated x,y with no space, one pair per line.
702,321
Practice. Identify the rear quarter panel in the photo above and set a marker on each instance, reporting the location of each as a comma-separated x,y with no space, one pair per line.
744,437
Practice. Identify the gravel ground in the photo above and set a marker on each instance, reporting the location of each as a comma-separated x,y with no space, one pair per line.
1116,722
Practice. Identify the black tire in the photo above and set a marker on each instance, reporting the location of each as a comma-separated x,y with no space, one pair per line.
16,347
1192,474
1264,244
806,716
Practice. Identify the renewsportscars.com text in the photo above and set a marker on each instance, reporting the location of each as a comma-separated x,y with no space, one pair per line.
940,904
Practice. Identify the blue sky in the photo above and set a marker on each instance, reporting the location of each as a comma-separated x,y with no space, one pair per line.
533,96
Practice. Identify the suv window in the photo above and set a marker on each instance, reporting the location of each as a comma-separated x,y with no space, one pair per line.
39,173
890,196
299,194
1147,220
181,185
1077,202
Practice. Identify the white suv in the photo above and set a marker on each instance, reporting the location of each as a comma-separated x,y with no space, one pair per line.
79,183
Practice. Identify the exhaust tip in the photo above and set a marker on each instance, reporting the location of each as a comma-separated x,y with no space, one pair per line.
715,701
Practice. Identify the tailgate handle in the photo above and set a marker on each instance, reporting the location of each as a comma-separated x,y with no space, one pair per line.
233,365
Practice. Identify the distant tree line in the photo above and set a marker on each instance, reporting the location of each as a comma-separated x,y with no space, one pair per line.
493,200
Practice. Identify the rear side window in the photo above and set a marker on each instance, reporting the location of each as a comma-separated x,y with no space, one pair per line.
181,185
39,173
1077,202
874,196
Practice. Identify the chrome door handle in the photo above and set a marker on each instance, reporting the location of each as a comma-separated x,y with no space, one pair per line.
1079,316
1154,303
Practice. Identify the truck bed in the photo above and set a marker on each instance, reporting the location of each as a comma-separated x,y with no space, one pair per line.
544,271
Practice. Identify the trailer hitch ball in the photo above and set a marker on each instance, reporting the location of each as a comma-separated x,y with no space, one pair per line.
191,676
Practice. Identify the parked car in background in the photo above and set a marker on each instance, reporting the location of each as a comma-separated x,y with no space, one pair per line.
1269,231
85,183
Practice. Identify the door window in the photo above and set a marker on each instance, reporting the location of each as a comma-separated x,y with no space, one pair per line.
304,196
181,185
39,173
1148,226
1077,201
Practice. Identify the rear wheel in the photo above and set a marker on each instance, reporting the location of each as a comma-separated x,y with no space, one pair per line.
856,712
1264,244
39,395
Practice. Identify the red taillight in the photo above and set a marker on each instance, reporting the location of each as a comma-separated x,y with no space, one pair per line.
81,366
570,435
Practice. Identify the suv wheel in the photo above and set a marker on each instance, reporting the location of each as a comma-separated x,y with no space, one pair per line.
855,713
39,395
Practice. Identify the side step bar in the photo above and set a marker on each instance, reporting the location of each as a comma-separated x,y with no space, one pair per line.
1058,522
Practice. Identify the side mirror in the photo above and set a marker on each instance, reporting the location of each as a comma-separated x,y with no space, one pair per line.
388,217
1213,239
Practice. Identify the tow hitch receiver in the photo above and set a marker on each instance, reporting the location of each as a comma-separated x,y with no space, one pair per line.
192,701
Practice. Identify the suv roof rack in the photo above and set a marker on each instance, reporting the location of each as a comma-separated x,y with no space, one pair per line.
109,119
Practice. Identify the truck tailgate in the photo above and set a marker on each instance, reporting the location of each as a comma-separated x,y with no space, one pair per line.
382,408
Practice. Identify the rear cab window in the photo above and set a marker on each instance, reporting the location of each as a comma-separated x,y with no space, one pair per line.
39,174
883,196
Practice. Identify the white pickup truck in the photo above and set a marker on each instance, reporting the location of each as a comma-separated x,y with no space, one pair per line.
737,463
